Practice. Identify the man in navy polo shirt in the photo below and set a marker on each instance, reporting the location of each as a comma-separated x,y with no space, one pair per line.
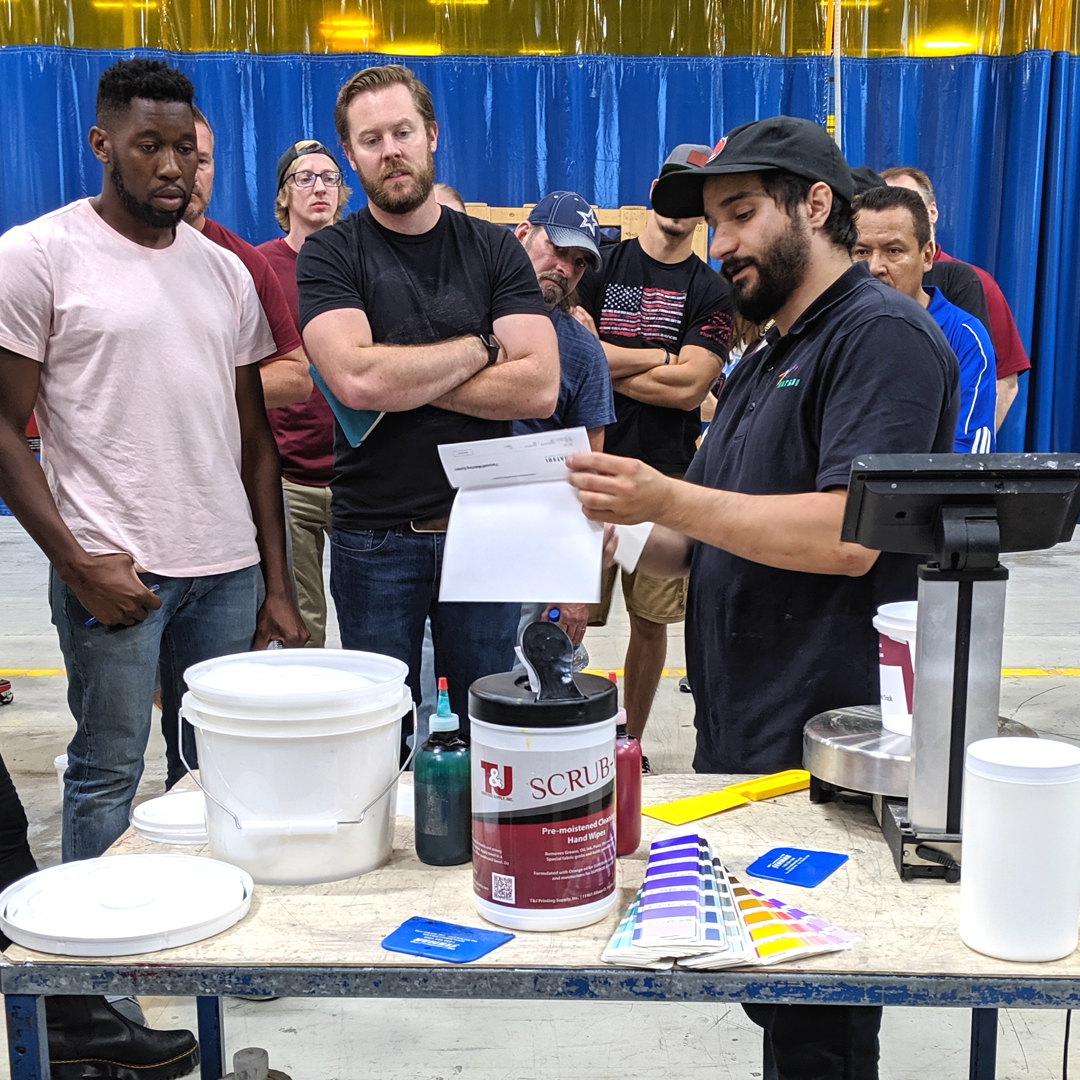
778,623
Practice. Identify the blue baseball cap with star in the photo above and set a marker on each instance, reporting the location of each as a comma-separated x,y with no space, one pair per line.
569,221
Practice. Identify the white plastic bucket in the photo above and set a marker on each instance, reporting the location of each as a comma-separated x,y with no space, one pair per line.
294,744
1020,865
895,624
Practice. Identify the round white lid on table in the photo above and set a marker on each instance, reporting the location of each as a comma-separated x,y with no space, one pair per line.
123,905
1024,761
176,818
321,682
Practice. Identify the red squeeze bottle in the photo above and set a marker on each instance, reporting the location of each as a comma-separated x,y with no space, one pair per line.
627,786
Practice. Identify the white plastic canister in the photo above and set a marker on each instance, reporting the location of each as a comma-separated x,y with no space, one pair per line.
293,745
1020,878
895,624
543,802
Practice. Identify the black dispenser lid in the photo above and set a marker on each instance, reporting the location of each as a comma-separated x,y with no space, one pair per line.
508,700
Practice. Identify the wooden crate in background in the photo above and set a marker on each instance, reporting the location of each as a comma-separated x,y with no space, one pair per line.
629,220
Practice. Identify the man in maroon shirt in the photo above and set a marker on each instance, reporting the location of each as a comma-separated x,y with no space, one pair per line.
310,196
285,376
1008,348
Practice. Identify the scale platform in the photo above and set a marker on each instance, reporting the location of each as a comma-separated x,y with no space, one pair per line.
849,750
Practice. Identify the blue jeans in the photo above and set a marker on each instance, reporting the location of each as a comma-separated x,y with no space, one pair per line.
385,583
111,688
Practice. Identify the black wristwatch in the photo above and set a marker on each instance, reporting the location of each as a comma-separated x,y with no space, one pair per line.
492,347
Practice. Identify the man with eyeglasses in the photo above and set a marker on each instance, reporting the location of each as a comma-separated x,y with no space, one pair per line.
311,194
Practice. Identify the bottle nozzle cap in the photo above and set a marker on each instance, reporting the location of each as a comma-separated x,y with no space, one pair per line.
442,685
449,722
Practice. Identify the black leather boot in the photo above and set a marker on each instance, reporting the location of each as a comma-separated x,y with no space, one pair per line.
90,1040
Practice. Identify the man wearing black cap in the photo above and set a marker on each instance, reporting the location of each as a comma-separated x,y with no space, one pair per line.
778,622
665,320
435,320
311,194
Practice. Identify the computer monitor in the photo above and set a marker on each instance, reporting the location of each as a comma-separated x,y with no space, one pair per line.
895,502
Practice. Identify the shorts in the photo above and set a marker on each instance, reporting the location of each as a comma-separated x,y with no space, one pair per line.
657,600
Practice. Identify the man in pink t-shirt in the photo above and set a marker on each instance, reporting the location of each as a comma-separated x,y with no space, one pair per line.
137,343
311,194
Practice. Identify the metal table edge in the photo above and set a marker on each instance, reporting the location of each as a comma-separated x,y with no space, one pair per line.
600,983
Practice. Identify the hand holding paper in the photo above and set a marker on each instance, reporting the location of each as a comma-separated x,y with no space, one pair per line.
517,532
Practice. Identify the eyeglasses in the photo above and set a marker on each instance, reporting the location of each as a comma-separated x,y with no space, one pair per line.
306,179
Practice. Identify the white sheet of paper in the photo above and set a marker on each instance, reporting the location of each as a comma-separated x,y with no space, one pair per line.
631,544
517,533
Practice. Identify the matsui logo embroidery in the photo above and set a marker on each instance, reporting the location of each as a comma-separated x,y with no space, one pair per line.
787,378
498,779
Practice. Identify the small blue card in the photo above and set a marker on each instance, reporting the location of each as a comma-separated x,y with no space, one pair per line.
797,866
443,940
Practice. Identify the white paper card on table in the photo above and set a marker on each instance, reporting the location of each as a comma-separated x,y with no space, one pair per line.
516,532
631,544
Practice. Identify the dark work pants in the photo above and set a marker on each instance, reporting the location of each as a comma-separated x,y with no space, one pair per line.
818,1042
16,861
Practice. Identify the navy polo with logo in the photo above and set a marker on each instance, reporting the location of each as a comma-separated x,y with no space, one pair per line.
863,370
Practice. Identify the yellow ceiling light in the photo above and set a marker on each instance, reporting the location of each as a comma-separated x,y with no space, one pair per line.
346,33
411,48
947,45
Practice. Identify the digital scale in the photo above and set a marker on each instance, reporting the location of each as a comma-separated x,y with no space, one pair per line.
962,510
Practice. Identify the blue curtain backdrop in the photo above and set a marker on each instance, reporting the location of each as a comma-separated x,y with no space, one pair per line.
993,133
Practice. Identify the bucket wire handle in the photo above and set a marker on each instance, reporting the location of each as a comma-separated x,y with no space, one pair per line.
236,820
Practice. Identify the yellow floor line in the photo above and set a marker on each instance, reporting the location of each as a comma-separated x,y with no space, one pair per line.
1006,673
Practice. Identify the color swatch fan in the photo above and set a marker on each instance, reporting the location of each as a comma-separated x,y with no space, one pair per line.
692,912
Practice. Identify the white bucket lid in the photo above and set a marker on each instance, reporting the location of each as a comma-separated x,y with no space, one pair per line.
902,616
178,818
277,682
1024,761
122,905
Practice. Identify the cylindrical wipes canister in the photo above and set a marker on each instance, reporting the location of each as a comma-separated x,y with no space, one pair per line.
543,802
1020,862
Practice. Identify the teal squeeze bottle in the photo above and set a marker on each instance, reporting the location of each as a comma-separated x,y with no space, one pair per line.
443,788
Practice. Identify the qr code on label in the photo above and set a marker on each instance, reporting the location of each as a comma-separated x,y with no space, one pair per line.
502,888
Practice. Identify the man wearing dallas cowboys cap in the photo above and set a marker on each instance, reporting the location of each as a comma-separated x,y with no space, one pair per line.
560,238
778,622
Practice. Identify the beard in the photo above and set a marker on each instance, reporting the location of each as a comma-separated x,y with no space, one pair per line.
145,212
780,271
676,228
400,202
554,287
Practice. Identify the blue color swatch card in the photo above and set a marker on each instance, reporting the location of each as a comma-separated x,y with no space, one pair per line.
443,940
797,866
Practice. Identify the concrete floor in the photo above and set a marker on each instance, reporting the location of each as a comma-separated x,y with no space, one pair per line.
329,1039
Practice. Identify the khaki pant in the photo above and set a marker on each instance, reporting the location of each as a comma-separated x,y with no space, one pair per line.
309,525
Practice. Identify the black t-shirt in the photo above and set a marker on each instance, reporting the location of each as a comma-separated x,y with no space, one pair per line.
639,303
455,279
960,285
864,370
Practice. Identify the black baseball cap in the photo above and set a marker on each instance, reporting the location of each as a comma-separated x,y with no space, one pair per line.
299,150
865,179
781,142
